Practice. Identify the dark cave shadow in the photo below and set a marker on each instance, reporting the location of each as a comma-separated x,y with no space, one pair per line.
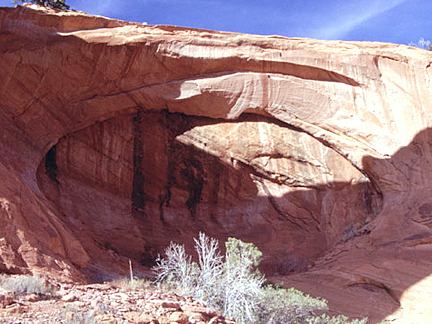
202,175
394,236
223,197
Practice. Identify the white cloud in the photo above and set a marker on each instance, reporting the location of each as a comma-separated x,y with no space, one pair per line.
349,21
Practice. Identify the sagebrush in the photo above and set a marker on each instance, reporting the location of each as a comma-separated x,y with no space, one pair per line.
232,284
28,284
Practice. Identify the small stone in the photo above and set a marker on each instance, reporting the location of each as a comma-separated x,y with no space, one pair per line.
220,320
32,297
167,304
115,304
69,297
214,320
179,317
79,304
6,300
94,302
147,319
144,304
67,286
17,309
106,318
133,317
121,296
199,309
197,318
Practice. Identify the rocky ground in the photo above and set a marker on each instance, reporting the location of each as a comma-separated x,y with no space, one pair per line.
105,303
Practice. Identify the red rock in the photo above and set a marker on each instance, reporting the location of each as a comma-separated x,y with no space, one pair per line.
213,320
188,309
32,297
15,309
117,138
69,297
166,304
197,318
220,320
6,300
179,317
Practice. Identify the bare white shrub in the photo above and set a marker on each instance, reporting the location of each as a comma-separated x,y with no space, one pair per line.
243,284
422,43
177,270
236,287
211,269
233,287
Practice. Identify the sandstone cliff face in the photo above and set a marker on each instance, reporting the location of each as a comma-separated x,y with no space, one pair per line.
117,138
156,177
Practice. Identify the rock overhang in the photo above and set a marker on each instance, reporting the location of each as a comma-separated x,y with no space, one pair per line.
71,76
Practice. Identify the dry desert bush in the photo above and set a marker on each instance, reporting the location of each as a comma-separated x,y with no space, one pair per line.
233,285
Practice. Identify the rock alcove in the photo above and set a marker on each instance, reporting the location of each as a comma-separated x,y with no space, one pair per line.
132,184
117,138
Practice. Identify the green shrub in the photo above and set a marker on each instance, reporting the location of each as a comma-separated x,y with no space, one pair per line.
234,285
58,4
241,282
325,319
288,305
177,270
27,284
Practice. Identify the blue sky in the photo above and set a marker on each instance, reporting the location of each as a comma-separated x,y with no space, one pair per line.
395,21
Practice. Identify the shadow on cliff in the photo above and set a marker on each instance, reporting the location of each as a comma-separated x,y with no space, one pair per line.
370,233
376,266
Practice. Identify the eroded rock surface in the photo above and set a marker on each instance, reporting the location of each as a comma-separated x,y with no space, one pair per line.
116,302
117,138
163,177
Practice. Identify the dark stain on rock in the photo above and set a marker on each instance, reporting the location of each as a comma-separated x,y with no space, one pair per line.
192,173
51,164
149,256
138,195
417,236
425,210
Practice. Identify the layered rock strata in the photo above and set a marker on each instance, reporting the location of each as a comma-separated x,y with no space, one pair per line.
117,138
